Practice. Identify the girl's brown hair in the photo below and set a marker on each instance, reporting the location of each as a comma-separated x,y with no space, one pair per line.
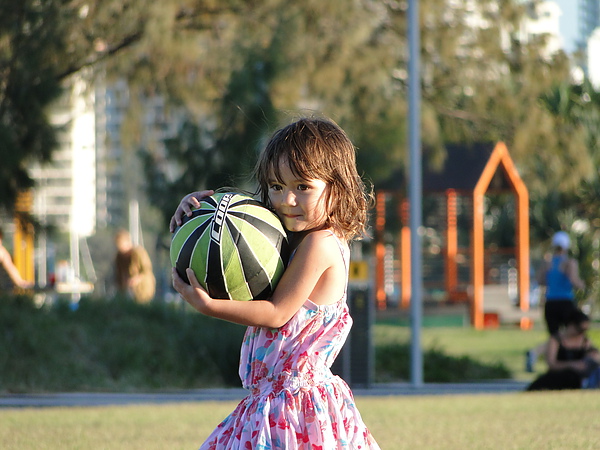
319,149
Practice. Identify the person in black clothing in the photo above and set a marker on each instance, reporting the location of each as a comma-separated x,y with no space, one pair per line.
572,359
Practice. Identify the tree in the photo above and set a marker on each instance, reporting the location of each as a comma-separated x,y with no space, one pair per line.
45,42
481,82
231,71
28,84
285,58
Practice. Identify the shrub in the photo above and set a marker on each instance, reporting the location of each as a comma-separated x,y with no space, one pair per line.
113,345
118,345
392,363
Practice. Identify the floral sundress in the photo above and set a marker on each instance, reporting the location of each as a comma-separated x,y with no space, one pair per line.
295,402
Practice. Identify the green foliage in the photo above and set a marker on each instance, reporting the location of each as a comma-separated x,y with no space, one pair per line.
113,345
276,60
217,152
118,345
392,363
28,72
231,71
43,43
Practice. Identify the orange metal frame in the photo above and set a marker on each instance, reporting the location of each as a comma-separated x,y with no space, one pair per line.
379,251
499,157
23,237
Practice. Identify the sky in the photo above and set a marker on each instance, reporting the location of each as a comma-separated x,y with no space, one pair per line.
568,23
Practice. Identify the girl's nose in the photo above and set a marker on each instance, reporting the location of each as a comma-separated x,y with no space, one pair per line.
289,198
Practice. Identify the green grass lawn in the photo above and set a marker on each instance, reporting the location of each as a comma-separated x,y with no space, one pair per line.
500,421
502,345
507,344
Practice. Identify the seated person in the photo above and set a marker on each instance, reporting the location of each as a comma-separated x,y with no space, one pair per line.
573,362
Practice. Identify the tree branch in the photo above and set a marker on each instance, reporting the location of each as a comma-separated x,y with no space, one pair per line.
99,57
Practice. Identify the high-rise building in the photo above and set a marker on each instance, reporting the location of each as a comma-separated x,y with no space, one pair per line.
579,19
588,21
93,176
94,181
593,60
65,196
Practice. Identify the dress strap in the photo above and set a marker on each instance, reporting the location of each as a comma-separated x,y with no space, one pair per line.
344,250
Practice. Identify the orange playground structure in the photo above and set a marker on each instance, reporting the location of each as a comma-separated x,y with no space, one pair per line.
23,236
467,176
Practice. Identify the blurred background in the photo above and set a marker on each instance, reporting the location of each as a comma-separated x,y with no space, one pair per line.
111,111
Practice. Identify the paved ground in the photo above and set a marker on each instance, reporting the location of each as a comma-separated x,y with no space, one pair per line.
107,399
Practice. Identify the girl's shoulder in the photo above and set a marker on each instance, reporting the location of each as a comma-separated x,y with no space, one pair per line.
324,243
325,237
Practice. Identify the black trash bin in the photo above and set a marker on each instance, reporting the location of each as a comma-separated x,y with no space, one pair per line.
355,362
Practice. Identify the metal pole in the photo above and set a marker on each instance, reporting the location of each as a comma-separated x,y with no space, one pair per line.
134,223
415,190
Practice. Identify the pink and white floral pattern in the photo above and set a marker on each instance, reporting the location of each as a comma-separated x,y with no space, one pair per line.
295,402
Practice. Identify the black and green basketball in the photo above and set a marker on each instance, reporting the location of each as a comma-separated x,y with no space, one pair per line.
236,247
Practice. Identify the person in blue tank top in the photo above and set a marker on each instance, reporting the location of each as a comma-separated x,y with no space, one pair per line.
560,276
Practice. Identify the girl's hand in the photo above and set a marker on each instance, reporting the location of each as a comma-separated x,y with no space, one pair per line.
192,293
185,207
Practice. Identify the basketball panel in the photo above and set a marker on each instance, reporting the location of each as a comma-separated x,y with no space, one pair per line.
187,246
233,272
199,260
264,249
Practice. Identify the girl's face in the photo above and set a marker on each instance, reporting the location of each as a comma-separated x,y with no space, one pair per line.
299,203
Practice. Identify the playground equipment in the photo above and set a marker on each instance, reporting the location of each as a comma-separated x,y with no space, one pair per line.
23,236
456,192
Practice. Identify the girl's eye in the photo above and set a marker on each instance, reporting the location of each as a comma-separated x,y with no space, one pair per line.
275,187
303,187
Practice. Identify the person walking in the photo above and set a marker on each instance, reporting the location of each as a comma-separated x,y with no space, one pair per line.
559,274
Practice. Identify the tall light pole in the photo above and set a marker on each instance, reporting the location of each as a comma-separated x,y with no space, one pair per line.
415,190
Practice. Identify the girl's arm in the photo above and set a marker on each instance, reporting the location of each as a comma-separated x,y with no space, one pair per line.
185,207
314,270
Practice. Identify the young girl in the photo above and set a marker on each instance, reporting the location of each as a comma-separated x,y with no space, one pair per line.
307,175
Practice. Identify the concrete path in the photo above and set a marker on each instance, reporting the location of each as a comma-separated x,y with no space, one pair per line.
71,399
